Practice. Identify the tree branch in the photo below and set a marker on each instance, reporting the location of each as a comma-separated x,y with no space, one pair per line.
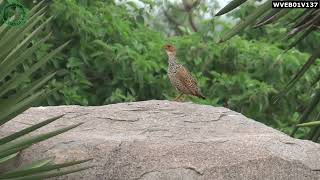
173,21
191,22
188,8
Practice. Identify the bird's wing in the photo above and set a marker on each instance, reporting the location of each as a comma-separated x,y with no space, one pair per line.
185,77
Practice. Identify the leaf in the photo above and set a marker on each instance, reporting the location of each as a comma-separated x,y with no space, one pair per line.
35,8
8,158
7,68
14,82
316,136
33,87
306,25
34,139
35,164
307,112
35,170
301,37
303,17
229,7
248,20
273,16
309,124
54,173
299,74
265,19
13,151
13,37
10,111
28,130
295,19
15,50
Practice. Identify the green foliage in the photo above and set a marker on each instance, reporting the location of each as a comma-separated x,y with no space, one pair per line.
115,55
113,58
273,32
244,76
17,94
300,27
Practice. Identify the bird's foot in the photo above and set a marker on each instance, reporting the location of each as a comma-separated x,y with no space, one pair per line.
183,99
178,98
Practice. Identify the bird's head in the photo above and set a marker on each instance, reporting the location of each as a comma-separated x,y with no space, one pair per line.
170,49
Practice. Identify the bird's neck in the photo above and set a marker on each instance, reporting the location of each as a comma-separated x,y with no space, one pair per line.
172,59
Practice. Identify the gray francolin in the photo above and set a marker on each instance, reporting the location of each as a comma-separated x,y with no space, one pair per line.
180,77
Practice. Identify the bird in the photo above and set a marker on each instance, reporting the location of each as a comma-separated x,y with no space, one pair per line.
180,77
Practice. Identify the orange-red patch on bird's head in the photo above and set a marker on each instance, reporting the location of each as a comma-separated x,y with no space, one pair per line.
170,48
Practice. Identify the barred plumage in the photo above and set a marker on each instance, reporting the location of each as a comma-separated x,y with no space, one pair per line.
180,77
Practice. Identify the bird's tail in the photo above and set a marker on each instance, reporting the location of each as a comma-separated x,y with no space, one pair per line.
200,95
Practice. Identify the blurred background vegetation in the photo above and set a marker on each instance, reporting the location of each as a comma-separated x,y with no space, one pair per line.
115,55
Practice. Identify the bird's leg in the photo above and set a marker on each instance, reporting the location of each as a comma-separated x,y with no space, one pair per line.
184,98
178,97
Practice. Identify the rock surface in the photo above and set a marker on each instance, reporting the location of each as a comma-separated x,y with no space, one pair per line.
163,140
